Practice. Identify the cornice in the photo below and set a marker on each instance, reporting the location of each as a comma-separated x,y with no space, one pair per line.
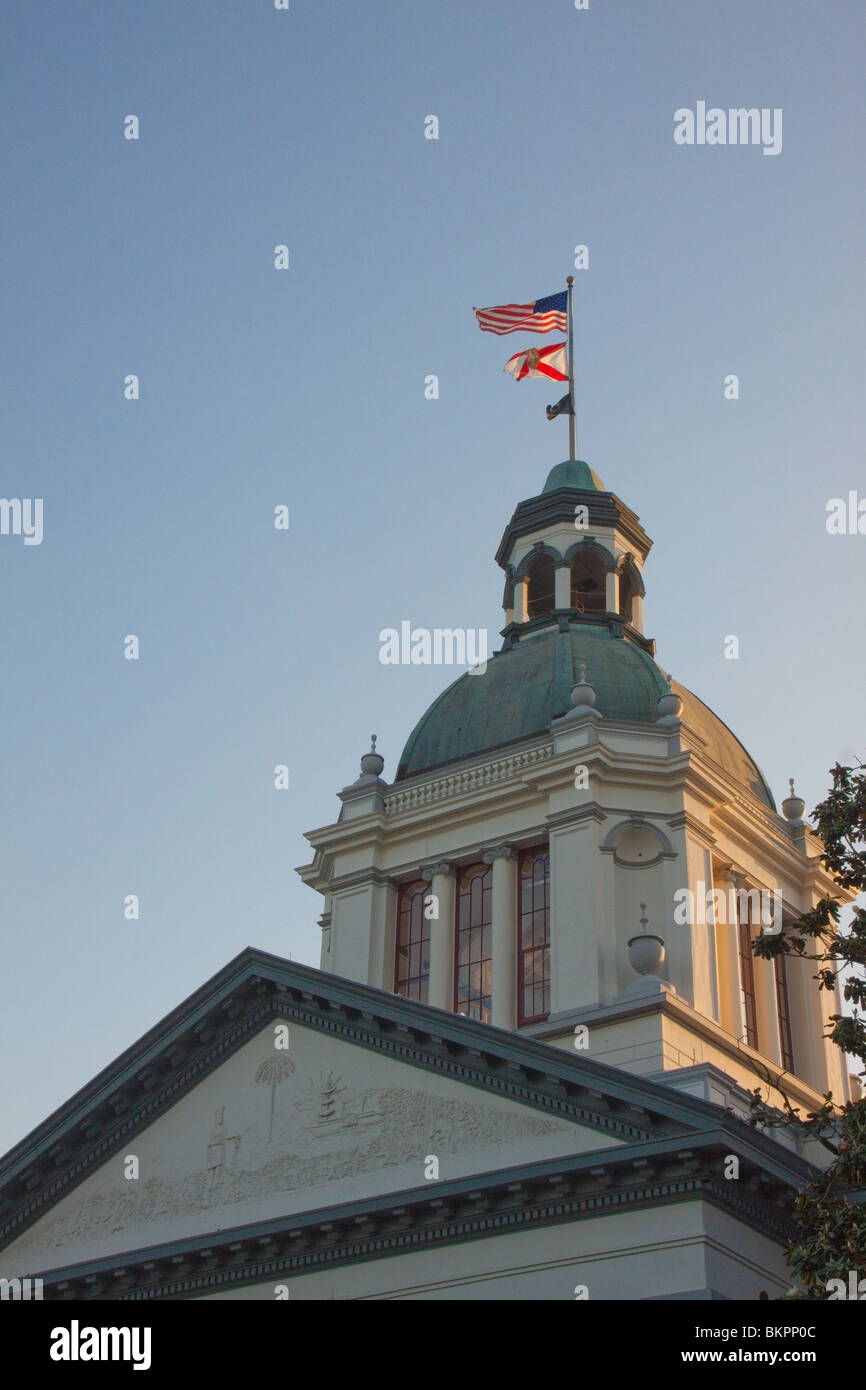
606,512
469,852
256,987
681,1012
612,766
554,1191
360,878
737,820
732,811
590,810
684,820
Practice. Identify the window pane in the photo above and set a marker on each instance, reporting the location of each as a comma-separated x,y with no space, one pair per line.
534,936
474,944
412,954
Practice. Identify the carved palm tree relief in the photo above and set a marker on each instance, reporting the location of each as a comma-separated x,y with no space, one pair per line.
272,1073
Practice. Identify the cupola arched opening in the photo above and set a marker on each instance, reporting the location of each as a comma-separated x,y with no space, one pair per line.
630,588
588,582
627,593
541,587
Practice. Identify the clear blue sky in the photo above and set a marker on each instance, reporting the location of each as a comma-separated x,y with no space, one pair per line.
305,387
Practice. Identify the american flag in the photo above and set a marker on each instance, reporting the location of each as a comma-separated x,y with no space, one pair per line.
544,316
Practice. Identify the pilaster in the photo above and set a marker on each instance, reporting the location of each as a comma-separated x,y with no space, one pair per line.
574,914
504,909
441,878
562,586
728,957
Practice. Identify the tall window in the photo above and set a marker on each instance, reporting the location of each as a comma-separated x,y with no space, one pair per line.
588,583
533,937
784,1011
412,973
473,975
747,968
541,587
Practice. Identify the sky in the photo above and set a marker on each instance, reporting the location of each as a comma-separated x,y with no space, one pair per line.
305,388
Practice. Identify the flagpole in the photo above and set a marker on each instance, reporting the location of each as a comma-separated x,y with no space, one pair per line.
572,419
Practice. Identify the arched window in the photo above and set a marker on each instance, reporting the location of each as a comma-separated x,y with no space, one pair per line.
629,589
473,974
533,937
412,969
588,583
541,587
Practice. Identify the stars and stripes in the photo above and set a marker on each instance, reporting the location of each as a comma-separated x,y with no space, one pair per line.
546,361
543,316
552,314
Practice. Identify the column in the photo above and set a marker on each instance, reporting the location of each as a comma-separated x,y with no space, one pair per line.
353,918
766,1003
383,943
806,1030
612,591
728,959
441,878
520,601
562,586
504,945
574,916
819,1005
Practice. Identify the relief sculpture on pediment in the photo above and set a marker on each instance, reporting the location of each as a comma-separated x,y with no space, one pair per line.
286,1130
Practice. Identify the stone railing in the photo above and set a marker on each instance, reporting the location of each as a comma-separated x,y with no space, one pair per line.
456,783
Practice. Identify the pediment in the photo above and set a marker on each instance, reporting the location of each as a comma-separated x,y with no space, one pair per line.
372,1095
272,1132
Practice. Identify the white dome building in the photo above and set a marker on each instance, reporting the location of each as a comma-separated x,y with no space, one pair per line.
518,1072
556,802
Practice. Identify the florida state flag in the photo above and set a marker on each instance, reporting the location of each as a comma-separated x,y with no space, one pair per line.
545,361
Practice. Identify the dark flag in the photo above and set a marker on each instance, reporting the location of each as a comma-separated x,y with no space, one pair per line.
562,407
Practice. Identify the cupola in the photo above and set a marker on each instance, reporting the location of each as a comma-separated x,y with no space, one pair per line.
575,553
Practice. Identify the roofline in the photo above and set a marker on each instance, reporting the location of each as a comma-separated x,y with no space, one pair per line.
255,988
762,779
479,1205
606,510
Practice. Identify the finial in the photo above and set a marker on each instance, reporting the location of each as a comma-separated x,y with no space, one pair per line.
646,951
372,762
582,694
793,807
669,704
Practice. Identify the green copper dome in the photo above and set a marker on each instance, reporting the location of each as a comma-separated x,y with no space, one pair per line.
527,685
573,473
